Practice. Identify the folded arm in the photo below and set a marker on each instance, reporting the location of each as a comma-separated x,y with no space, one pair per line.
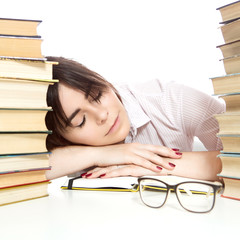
203,165
71,159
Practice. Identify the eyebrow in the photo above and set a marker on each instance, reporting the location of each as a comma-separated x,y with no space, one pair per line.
72,116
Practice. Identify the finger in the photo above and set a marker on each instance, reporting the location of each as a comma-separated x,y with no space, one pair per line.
90,172
98,172
152,161
164,151
131,170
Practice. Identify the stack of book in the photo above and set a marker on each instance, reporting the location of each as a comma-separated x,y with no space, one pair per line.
227,87
24,79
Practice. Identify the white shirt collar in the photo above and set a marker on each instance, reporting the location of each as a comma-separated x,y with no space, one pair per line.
136,115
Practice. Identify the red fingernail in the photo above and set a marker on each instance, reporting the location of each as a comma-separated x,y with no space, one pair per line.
83,174
179,153
172,165
176,149
102,175
159,168
88,175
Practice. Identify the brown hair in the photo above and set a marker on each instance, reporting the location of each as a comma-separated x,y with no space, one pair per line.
77,76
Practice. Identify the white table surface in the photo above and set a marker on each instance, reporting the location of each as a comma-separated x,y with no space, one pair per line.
74,214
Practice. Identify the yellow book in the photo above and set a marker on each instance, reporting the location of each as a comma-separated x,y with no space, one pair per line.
231,143
230,49
230,31
26,69
226,84
23,193
13,179
232,64
230,11
21,47
23,119
22,142
232,101
231,188
22,93
21,162
229,123
120,184
19,27
230,165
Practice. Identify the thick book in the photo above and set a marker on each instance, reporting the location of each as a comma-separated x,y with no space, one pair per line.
232,64
26,69
19,27
13,179
21,47
230,12
232,101
230,165
230,31
12,119
231,188
226,84
230,142
229,123
23,192
230,49
22,142
22,93
23,162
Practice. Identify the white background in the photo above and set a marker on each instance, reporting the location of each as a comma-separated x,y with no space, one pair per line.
125,41
131,40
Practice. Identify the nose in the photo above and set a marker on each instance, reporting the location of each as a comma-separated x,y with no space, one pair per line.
101,115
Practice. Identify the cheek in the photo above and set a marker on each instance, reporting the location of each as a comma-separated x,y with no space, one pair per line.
84,136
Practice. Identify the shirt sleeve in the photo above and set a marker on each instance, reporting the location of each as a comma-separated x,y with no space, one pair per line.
198,119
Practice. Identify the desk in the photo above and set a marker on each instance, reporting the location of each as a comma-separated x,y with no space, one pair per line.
72,214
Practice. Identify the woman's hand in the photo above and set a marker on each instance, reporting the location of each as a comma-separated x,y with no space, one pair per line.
150,157
71,159
120,171
204,165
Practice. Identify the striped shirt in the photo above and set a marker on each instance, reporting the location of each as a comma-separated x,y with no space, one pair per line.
171,114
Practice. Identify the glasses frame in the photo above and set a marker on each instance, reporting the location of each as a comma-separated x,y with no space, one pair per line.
173,187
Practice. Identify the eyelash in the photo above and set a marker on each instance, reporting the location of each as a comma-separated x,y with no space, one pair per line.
97,99
83,122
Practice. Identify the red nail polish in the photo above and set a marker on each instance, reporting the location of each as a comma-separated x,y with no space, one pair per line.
83,174
102,175
179,153
159,168
176,149
88,175
172,165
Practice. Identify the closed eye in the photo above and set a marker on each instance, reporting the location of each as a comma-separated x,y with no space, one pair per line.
83,122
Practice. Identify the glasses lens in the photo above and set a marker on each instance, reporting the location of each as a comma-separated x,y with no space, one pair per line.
153,193
196,197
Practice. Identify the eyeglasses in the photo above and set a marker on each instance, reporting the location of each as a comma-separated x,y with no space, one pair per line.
194,196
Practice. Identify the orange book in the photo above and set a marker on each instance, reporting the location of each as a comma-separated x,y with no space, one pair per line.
18,178
21,47
231,188
19,27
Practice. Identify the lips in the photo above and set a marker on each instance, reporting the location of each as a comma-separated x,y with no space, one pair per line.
114,126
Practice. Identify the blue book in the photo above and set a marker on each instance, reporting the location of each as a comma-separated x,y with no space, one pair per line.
230,165
231,143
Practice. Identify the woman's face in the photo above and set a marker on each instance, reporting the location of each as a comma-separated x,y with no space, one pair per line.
94,123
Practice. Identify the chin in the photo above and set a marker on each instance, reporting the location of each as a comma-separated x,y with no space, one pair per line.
119,139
